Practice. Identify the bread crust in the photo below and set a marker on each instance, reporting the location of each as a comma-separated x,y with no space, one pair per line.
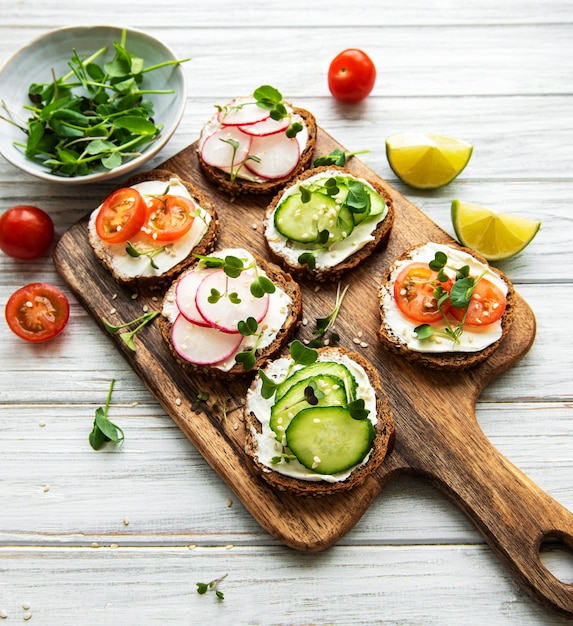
158,284
381,234
445,360
280,279
223,182
381,447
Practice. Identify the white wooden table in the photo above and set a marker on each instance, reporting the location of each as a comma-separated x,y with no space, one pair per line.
122,536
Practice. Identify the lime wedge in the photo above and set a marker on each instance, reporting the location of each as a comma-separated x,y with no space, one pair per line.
427,161
495,236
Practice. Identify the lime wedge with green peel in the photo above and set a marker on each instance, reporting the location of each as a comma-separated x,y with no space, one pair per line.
427,161
495,236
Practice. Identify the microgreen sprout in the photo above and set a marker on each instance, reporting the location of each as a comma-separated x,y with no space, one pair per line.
336,157
103,430
326,324
248,328
235,170
233,267
95,117
150,253
203,588
128,336
357,409
300,354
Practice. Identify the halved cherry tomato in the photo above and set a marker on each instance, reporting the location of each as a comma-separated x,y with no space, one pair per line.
414,293
37,312
487,305
26,232
351,75
169,218
121,215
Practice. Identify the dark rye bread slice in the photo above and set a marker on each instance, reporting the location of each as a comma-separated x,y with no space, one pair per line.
382,446
239,186
158,284
445,360
381,234
283,281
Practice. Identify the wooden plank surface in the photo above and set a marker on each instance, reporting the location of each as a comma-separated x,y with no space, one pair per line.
496,74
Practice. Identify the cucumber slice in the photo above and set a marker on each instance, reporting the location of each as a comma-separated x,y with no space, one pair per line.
303,222
332,393
328,440
331,368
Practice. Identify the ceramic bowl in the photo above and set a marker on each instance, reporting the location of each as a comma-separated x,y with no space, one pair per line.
53,51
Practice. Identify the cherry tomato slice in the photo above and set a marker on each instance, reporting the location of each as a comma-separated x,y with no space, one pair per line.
487,305
351,75
169,218
414,293
121,215
37,312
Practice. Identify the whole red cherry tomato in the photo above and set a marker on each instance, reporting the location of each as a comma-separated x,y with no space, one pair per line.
37,312
26,232
351,75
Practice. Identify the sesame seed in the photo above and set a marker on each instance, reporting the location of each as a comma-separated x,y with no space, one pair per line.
178,401
27,615
363,344
229,503
125,521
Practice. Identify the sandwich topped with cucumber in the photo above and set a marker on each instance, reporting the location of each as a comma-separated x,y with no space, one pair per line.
327,222
318,421
256,143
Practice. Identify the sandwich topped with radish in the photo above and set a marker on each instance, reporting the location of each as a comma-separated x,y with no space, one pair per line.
443,306
148,231
256,143
230,313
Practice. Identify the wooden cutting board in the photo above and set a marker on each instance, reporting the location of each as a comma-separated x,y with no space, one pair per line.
438,437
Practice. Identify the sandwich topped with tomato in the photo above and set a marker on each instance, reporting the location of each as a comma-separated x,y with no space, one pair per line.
443,306
150,230
256,143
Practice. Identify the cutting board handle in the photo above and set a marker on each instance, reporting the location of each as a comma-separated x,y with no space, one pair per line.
513,514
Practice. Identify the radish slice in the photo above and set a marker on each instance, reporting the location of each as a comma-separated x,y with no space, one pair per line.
248,113
224,314
202,345
217,152
278,153
266,127
185,293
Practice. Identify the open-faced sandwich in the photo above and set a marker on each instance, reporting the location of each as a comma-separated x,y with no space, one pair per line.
230,313
148,231
318,421
327,222
443,306
256,143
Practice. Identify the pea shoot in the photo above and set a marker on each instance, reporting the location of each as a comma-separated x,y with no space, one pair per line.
203,588
95,117
103,430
